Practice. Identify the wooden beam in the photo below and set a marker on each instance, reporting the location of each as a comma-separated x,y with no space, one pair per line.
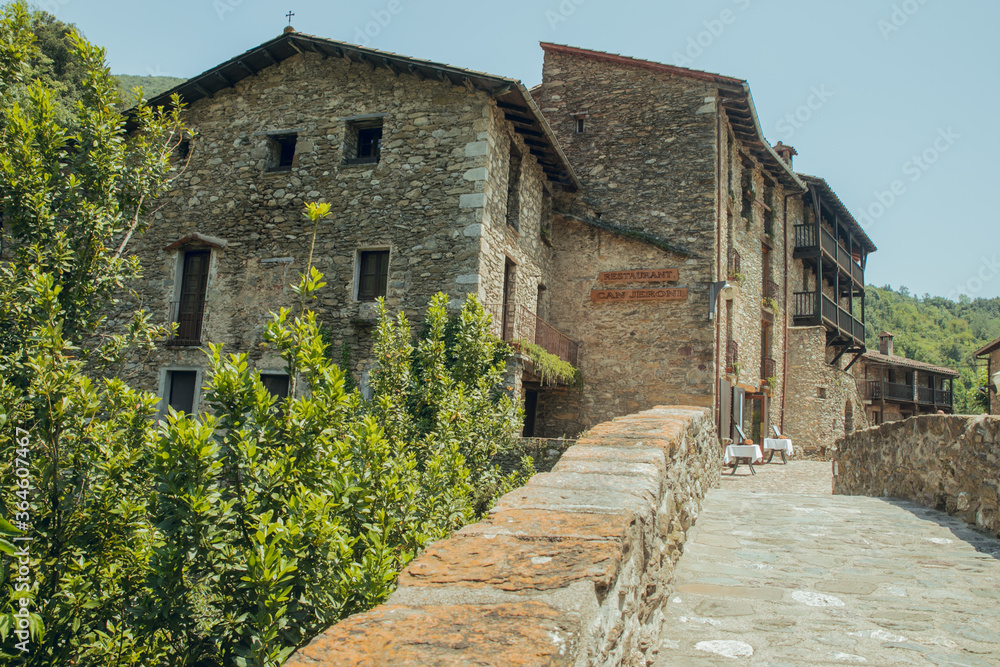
469,84
270,56
529,133
224,78
295,46
524,120
412,69
391,67
536,144
201,90
507,106
249,69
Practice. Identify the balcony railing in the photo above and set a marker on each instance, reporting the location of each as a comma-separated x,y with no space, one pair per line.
899,392
519,323
734,263
805,308
732,355
807,239
768,369
943,397
876,390
189,317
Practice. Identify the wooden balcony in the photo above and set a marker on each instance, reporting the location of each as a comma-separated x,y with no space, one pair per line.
812,239
877,390
809,312
519,323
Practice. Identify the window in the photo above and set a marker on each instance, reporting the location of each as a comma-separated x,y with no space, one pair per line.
581,124
364,141
190,307
514,187
282,148
373,274
276,384
182,388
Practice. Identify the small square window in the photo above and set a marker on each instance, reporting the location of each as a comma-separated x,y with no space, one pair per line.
282,152
581,125
373,274
364,142
276,384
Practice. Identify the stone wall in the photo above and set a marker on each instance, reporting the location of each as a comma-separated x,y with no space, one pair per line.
648,160
572,569
947,462
818,394
436,200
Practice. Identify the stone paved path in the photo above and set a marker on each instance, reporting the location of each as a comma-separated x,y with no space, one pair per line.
777,571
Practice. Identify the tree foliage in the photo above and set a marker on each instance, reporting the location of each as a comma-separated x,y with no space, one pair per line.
228,537
936,331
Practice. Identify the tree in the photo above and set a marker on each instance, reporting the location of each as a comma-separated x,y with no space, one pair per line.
229,537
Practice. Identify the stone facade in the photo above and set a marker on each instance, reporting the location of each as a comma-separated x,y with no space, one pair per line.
627,125
475,192
572,569
436,200
822,397
950,463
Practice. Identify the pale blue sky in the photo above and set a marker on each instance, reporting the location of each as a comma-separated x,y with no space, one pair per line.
888,81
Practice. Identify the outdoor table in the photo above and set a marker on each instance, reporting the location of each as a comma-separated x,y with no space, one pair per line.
736,453
778,445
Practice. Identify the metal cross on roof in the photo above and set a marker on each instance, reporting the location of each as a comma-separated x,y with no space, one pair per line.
289,16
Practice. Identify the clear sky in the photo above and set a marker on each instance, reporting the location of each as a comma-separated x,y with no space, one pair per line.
894,102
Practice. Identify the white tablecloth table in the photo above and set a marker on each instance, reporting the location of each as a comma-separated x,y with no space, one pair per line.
748,453
778,445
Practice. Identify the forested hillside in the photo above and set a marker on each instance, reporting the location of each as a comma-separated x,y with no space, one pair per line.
937,331
151,85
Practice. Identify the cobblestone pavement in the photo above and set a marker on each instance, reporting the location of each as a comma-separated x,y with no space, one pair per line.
777,571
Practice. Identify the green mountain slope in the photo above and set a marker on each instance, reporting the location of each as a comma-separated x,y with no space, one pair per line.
151,85
936,331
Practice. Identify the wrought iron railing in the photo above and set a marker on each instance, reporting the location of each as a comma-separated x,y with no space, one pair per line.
769,369
517,322
189,316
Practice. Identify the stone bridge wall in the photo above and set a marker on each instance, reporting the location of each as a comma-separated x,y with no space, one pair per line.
950,463
572,569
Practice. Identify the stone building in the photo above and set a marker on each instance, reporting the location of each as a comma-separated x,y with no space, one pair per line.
895,388
438,180
992,354
677,176
687,264
829,254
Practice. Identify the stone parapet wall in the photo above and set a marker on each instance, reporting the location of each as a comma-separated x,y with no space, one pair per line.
950,463
572,569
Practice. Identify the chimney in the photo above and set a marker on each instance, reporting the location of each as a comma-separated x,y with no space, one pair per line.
885,343
786,153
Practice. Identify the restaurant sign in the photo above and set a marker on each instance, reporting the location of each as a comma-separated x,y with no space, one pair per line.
642,276
605,296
